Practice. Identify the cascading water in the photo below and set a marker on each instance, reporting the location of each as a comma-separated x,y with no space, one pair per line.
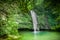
34,19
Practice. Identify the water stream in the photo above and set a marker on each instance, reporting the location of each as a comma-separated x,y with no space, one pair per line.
34,19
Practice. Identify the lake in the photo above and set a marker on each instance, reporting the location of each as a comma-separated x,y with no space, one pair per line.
40,35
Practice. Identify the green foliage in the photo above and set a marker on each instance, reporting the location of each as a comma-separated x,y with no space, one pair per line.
8,24
24,5
51,9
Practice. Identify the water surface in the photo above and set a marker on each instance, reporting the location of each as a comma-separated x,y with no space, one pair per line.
41,35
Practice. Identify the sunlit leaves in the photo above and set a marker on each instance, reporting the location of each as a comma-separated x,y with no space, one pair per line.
39,2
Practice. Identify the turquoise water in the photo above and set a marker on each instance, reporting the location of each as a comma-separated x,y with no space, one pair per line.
41,35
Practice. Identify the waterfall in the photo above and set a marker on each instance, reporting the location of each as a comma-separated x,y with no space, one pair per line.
34,19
